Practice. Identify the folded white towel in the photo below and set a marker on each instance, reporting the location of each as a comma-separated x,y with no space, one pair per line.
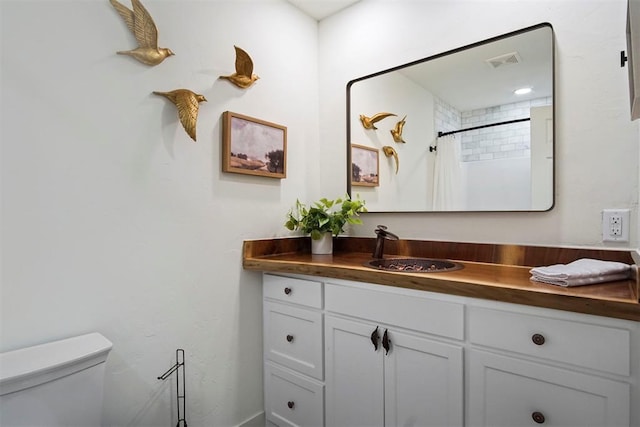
584,271
583,280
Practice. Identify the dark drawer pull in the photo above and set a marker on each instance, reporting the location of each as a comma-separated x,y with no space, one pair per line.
375,338
538,417
386,342
287,291
291,404
289,338
538,339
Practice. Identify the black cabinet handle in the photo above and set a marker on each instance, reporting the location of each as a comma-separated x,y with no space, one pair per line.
375,338
538,339
538,417
287,291
386,342
291,404
289,338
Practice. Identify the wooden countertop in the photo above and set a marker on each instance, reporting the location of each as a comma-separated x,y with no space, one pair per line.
495,272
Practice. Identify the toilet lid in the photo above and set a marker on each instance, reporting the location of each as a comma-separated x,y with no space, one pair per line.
30,366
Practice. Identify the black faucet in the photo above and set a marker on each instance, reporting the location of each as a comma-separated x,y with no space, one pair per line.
383,234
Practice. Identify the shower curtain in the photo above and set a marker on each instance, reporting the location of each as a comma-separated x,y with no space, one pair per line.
447,175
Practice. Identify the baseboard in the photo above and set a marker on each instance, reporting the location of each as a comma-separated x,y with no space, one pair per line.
255,421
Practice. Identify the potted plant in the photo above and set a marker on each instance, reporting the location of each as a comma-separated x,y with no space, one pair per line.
324,219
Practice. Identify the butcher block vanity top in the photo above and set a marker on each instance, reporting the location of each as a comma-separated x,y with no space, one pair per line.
491,271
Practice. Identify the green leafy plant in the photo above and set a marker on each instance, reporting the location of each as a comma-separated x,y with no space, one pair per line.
325,216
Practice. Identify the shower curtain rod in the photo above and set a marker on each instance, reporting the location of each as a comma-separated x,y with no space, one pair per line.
483,126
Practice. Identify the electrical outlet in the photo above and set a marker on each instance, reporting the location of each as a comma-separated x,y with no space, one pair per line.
615,225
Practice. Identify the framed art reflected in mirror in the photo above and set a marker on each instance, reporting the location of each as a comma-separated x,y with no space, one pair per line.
365,166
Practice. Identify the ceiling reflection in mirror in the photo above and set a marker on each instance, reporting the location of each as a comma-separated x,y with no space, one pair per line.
452,132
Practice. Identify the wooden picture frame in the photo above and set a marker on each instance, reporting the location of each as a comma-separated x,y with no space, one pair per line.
365,166
253,147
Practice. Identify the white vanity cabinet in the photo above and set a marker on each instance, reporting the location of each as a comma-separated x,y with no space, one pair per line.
392,359
344,353
509,392
293,351
560,369
417,381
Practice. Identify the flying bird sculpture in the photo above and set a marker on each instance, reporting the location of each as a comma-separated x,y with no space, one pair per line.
369,122
396,132
243,77
187,103
144,29
390,151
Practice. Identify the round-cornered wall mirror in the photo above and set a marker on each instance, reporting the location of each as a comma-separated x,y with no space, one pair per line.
470,129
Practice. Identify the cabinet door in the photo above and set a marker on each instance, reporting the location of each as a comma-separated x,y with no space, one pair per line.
423,382
354,380
505,391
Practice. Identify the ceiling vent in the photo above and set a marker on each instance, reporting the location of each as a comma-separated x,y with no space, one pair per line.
506,59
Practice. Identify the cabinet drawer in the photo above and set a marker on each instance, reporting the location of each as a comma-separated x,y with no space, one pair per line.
293,338
422,314
291,399
297,291
588,345
509,392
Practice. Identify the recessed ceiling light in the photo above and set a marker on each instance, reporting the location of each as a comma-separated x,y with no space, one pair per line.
522,91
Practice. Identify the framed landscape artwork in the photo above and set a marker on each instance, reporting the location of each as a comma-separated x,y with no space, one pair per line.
364,166
254,147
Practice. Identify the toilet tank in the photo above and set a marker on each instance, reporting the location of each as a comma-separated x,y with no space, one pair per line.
58,383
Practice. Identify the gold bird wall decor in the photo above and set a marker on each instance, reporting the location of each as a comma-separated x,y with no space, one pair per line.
369,122
243,77
144,29
396,132
187,103
390,151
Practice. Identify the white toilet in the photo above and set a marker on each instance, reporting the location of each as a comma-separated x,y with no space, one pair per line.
54,384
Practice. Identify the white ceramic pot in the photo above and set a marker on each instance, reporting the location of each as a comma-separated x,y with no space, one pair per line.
323,245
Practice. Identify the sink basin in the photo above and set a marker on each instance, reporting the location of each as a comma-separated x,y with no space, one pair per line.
414,265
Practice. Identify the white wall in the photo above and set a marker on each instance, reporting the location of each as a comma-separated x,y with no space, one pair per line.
113,220
596,143
411,185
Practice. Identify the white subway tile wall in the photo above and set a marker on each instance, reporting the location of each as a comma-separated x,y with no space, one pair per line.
446,117
491,143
